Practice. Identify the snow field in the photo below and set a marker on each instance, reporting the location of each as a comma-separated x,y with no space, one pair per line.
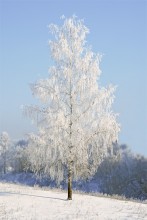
27,203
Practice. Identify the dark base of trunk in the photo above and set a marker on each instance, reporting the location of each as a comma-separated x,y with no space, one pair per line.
69,182
69,187
69,192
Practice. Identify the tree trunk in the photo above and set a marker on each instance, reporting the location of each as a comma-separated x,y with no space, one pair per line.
69,185
4,162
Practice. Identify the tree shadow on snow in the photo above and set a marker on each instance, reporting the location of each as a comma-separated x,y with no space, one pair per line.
24,194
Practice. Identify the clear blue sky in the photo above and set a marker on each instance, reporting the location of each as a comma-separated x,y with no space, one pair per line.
118,29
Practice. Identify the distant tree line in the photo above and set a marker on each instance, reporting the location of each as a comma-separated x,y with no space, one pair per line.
123,173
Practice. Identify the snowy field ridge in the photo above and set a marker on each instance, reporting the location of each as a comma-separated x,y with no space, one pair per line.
27,203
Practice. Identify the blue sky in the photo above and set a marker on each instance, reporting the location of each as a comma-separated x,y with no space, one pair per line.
118,29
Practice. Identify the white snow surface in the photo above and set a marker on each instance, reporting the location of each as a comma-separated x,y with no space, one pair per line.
19,202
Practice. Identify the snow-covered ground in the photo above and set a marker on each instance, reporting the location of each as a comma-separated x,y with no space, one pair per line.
28,203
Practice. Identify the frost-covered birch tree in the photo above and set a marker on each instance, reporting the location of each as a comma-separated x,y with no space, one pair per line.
75,119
